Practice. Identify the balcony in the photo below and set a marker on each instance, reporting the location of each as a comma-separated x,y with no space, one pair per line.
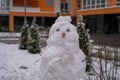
4,10
28,9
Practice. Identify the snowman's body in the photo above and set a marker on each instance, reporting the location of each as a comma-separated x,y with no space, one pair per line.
63,60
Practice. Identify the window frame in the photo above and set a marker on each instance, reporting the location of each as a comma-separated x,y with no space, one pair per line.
65,6
118,2
4,4
97,3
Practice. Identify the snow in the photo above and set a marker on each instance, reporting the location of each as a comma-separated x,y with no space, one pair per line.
63,19
15,35
18,64
62,59
105,50
10,34
108,69
9,38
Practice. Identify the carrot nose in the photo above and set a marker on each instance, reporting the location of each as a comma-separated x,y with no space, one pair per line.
63,34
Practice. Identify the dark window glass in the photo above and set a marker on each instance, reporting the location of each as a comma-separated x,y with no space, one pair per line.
98,2
97,6
88,2
64,6
93,2
118,2
103,5
78,4
84,2
102,1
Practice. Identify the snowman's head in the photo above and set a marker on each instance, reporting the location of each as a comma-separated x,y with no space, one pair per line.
62,32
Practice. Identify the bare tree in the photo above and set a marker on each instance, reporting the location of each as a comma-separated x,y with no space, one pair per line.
106,62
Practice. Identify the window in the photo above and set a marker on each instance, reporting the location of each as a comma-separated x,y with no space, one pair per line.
64,6
118,2
78,4
98,4
5,4
49,2
89,4
84,4
93,4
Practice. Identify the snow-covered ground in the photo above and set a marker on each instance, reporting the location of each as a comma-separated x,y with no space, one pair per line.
17,34
9,34
18,64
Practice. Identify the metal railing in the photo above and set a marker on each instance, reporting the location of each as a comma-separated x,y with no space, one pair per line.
29,9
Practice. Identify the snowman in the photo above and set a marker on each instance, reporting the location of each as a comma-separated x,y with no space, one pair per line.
62,59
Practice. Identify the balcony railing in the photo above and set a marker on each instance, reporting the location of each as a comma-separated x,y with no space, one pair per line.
4,10
29,9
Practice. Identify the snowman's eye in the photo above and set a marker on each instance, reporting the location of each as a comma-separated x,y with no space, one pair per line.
68,30
58,29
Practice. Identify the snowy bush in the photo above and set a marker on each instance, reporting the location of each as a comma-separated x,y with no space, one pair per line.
84,42
24,36
34,46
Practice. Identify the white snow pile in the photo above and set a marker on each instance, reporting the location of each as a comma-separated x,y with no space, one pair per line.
62,59
18,64
9,34
16,35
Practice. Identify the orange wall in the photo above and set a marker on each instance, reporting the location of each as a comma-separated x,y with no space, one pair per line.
42,14
74,7
44,7
113,10
11,28
29,2
46,11
109,10
112,2
40,3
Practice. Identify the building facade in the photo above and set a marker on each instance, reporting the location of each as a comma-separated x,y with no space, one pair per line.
100,16
4,15
46,12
